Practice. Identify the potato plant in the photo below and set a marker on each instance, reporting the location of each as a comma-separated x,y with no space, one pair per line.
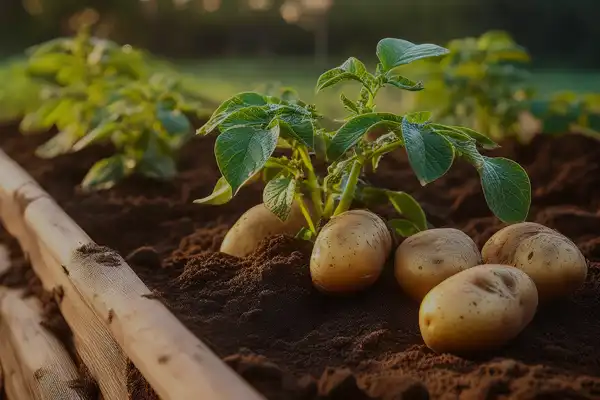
95,91
279,139
482,83
566,112
19,94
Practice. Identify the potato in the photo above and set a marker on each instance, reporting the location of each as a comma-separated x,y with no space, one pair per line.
427,258
256,224
477,309
350,252
553,261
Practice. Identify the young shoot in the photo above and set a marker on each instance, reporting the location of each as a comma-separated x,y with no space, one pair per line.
278,139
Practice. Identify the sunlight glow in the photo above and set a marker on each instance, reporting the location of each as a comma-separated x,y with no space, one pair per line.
211,5
317,5
290,12
260,5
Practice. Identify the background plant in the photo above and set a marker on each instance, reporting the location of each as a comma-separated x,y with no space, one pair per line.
94,91
252,127
482,83
566,112
19,94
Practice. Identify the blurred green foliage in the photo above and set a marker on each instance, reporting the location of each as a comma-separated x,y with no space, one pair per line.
94,91
483,83
567,112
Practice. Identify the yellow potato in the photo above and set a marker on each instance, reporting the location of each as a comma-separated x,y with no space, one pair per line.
256,224
427,258
477,309
552,260
350,252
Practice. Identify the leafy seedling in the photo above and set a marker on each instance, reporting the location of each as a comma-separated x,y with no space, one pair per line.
277,138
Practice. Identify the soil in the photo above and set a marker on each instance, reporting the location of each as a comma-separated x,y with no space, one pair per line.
262,315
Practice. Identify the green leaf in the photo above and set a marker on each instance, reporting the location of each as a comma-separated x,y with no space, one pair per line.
430,155
351,69
349,104
105,173
241,100
157,160
482,139
406,205
299,126
419,117
101,132
48,64
221,194
354,66
242,151
289,94
403,227
395,52
174,121
247,116
506,188
353,130
466,147
278,196
334,76
404,83
37,121
62,112
61,143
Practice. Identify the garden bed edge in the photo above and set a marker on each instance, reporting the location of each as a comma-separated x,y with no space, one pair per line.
113,315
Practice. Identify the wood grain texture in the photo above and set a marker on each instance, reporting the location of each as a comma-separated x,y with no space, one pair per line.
36,364
107,305
46,369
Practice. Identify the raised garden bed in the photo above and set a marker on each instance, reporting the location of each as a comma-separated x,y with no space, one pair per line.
113,316
262,315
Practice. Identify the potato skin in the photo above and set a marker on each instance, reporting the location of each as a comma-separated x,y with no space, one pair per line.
427,258
552,260
350,252
477,309
256,224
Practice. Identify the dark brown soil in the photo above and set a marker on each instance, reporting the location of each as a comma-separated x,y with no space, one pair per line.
262,315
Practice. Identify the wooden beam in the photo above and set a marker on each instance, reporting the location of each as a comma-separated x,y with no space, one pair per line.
107,306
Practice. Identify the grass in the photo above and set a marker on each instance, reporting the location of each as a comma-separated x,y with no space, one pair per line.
219,79
222,78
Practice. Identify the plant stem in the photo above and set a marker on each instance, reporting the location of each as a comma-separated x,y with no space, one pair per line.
329,204
306,214
372,95
273,162
313,182
348,194
387,148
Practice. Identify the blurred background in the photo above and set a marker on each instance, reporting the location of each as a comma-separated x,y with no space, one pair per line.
233,45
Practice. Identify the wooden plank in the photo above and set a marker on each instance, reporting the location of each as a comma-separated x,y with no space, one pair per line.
35,363
94,343
174,361
46,370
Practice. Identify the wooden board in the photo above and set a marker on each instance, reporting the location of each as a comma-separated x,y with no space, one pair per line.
35,363
109,309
